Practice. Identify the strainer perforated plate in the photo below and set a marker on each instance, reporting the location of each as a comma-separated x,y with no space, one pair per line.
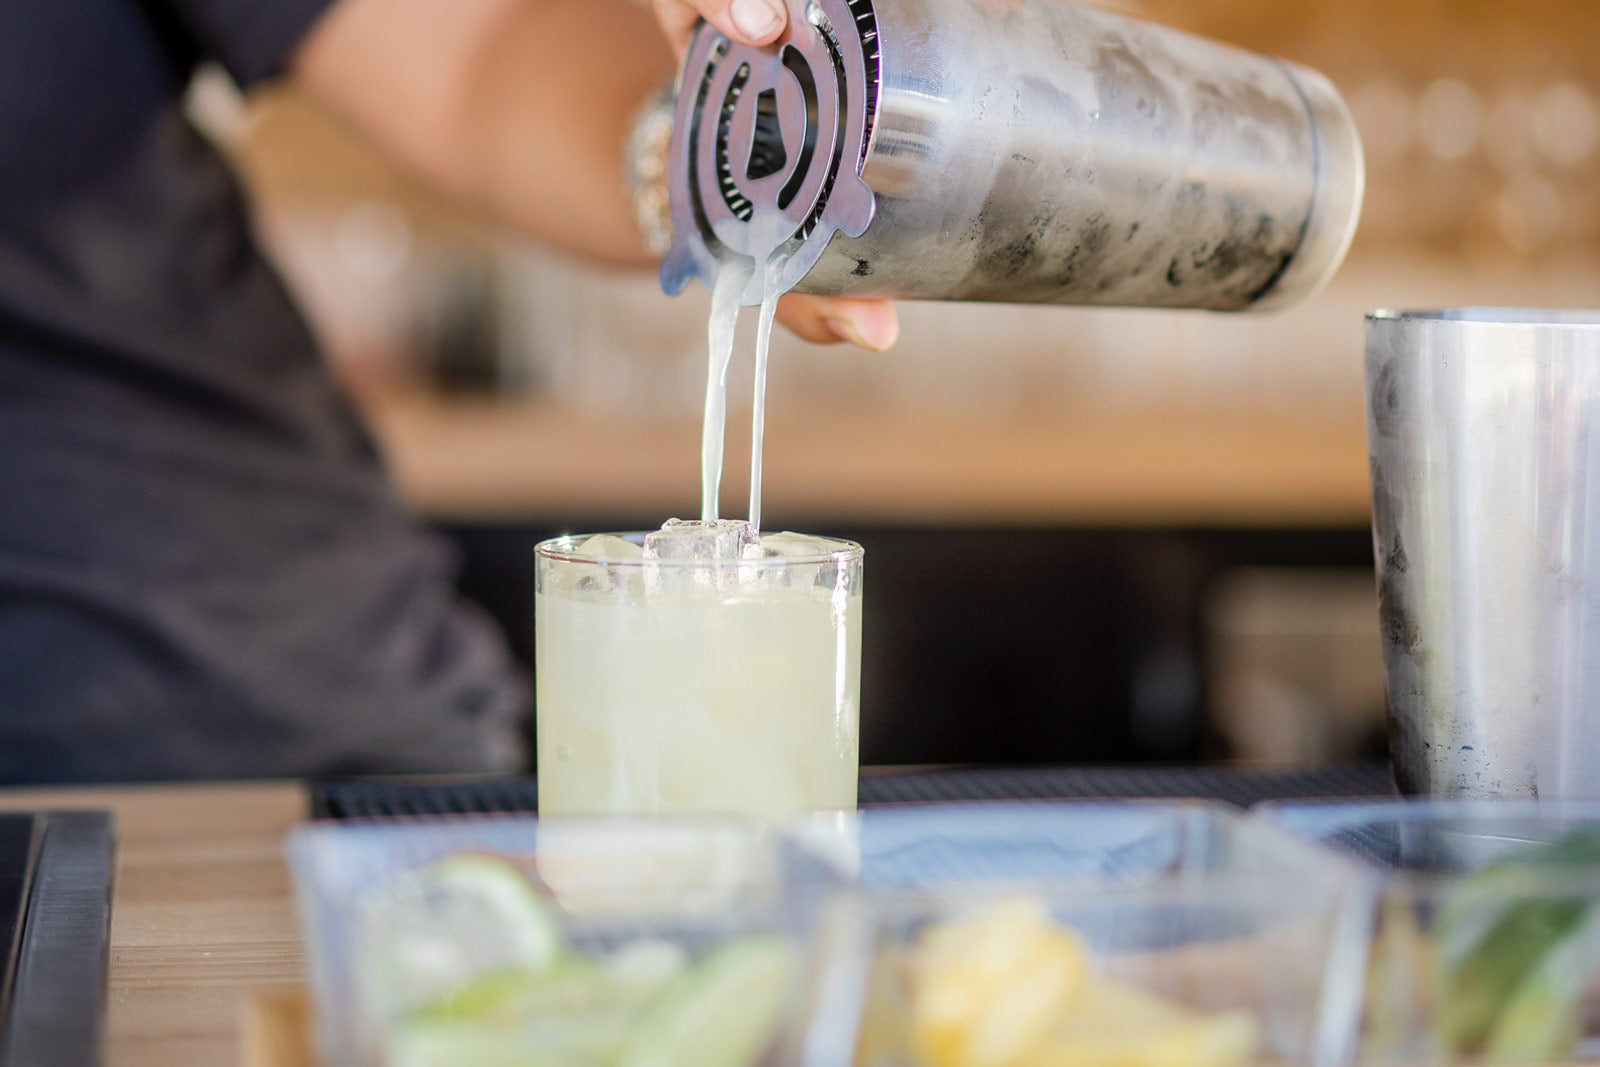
768,144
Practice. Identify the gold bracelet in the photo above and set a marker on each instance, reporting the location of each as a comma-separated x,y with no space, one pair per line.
645,169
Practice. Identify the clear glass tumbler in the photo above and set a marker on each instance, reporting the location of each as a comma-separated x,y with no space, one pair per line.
695,685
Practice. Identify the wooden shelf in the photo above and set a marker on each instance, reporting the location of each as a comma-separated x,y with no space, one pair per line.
487,460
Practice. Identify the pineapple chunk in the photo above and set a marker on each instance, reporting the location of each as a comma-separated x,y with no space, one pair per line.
989,988
1010,987
1119,1026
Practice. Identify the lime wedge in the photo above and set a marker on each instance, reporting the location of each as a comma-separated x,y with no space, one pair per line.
723,1012
508,998
467,1044
577,1005
441,927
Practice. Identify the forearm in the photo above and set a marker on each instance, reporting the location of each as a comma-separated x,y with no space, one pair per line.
522,107
518,106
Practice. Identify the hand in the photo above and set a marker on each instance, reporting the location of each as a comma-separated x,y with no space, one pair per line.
821,320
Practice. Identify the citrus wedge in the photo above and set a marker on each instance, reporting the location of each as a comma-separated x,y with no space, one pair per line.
723,1012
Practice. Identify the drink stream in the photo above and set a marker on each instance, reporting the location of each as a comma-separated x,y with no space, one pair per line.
732,279
724,317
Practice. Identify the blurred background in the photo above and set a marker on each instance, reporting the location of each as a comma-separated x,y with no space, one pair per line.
1092,535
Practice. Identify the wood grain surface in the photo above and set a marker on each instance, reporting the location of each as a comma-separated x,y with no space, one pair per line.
202,920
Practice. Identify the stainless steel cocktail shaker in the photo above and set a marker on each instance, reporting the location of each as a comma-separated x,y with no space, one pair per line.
1037,151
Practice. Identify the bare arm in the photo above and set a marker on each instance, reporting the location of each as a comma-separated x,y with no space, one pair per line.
522,106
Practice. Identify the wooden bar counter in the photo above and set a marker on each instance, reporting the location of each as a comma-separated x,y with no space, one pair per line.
202,922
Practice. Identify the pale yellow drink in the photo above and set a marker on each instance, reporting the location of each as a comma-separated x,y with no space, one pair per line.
680,685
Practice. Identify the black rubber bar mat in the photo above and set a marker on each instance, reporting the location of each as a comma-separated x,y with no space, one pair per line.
55,926
372,798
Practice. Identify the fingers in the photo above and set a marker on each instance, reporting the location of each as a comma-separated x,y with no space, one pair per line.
828,320
754,22
822,320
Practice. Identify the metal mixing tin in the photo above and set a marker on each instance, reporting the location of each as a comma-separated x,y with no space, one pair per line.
1483,433
1031,151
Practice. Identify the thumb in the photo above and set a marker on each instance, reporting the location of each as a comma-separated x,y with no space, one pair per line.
753,22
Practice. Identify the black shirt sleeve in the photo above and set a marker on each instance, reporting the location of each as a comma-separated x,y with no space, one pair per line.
253,39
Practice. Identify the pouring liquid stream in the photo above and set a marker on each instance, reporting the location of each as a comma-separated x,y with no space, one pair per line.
732,278
719,336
